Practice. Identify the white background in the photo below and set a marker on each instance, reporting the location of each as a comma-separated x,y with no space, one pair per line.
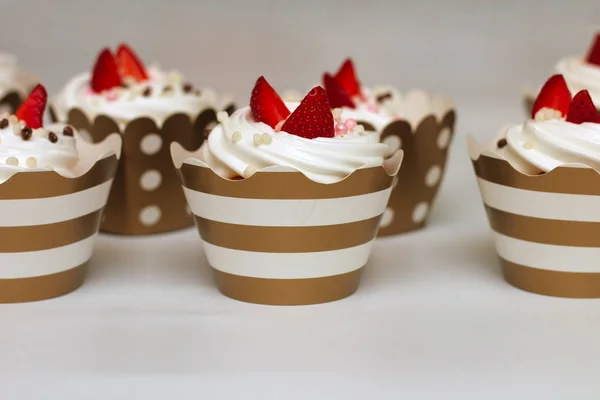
433,318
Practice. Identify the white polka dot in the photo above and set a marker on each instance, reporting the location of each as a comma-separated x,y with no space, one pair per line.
394,143
150,180
420,212
386,218
150,215
151,144
433,176
444,138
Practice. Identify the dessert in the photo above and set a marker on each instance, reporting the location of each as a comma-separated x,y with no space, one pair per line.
151,108
14,83
579,73
419,123
286,200
540,184
53,188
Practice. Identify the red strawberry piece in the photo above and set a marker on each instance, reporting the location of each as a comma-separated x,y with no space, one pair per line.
266,105
336,94
346,76
313,117
105,75
593,56
130,64
554,94
582,109
32,109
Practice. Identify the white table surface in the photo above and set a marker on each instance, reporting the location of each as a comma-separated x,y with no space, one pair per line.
432,319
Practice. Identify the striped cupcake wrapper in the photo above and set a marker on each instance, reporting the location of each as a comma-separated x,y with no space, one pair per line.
280,238
546,227
48,224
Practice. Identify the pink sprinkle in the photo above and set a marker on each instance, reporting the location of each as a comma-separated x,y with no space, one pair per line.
372,108
350,123
341,128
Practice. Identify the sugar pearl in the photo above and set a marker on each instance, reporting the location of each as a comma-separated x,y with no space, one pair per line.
350,123
266,138
31,162
12,161
236,137
341,129
528,145
13,119
258,139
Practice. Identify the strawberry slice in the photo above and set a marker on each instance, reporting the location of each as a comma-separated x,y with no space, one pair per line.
554,94
130,64
593,56
105,75
313,117
346,76
32,109
582,109
266,105
336,94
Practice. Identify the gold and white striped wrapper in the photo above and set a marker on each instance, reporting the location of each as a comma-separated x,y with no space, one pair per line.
546,227
279,238
48,224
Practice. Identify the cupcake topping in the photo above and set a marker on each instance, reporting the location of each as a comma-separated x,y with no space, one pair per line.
24,142
582,109
266,105
593,56
555,96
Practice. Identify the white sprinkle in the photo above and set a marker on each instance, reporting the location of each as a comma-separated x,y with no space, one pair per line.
236,137
13,119
359,128
12,161
222,116
31,162
528,145
266,138
17,129
22,123
258,139
249,171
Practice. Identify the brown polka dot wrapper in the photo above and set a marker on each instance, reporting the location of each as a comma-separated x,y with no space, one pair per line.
424,132
280,238
49,222
546,227
146,197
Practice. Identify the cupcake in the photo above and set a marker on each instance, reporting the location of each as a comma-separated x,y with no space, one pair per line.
14,83
287,207
53,188
150,108
540,186
579,73
419,123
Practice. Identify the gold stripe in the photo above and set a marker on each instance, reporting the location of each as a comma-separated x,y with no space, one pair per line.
561,180
18,239
548,231
41,287
41,184
284,185
288,291
552,283
287,239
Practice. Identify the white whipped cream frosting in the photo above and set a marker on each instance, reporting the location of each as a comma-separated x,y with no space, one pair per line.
231,150
38,152
158,98
581,75
541,146
12,78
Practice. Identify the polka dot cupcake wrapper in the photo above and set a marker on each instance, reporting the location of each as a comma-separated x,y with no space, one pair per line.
425,152
146,196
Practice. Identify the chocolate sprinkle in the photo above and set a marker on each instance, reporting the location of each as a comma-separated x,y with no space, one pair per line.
52,137
187,87
501,143
26,133
3,123
384,96
68,131
147,92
